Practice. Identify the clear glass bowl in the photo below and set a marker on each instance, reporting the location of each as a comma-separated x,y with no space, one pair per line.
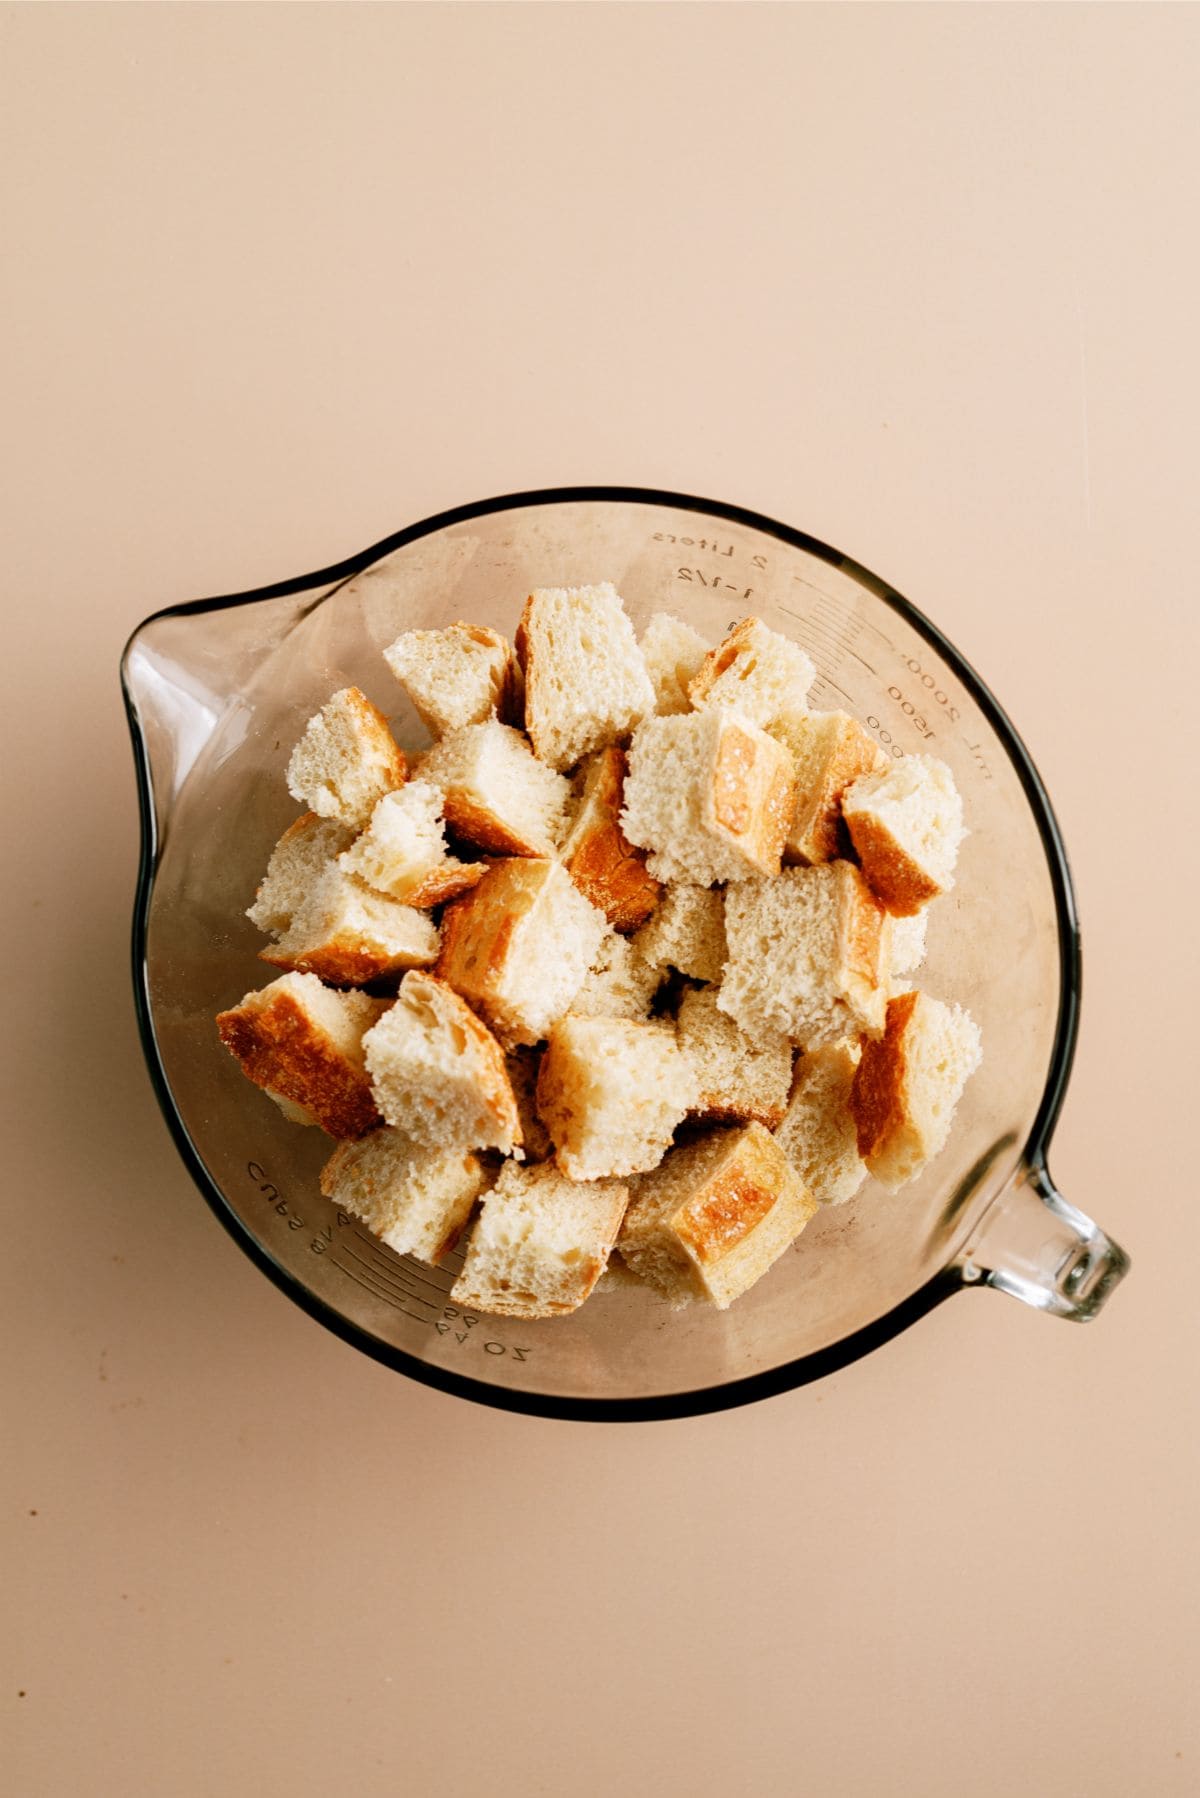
217,693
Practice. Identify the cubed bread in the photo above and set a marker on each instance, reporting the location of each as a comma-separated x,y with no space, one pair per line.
522,1067
907,1086
906,824
519,946
738,1078
906,949
348,935
829,751
710,795
297,862
464,674
346,760
611,1092
762,675
295,1114
818,1134
687,932
673,653
620,983
599,856
540,1244
495,792
303,1042
585,681
403,853
714,1217
438,1073
416,1199
806,955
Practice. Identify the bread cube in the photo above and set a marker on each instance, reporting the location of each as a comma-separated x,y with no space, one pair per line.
907,1086
597,854
710,795
906,824
495,792
611,1092
738,1078
402,852
585,682
540,1244
438,1074
762,675
818,1133
714,1217
303,1042
346,760
348,935
906,944
673,653
806,955
687,932
462,675
519,946
522,1067
621,983
417,1200
298,860
829,751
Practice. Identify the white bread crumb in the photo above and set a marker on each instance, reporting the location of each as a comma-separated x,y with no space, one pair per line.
907,1086
416,1199
763,676
541,1243
346,760
585,681
611,1092
818,1133
673,653
806,955
402,852
438,1074
495,792
462,675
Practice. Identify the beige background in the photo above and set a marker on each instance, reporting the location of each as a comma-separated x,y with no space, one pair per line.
281,280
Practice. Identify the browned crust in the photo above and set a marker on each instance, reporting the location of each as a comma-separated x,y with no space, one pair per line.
877,1101
599,857
376,726
722,1214
476,824
529,676
899,883
854,754
444,884
279,1046
477,929
753,794
718,660
342,960
720,1108
495,1090
862,919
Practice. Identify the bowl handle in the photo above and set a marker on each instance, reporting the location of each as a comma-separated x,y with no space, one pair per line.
1034,1245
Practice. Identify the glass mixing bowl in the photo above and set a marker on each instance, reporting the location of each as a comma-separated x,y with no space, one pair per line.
217,693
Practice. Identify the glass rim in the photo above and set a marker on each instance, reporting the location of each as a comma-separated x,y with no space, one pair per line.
790,1374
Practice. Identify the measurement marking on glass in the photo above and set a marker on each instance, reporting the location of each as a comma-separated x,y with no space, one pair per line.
378,1274
387,1260
375,1293
402,1270
826,682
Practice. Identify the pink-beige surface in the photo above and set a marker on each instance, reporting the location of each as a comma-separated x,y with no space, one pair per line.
282,279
